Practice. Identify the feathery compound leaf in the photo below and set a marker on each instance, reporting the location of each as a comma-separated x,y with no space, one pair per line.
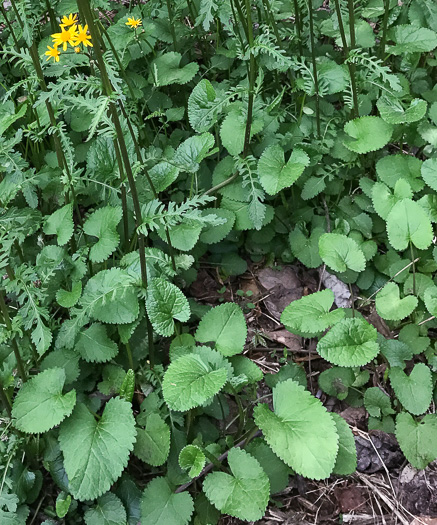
311,313
40,405
341,253
300,430
164,303
109,510
96,452
367,134
110,297
413,391
193,379
417,439
245,493
153,442
275,174
346,462
95,346
165,70
60,223
408,222
103,224
391,307
351,342
225,325
160,505
192,459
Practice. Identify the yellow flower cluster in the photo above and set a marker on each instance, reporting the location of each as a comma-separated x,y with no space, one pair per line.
71,33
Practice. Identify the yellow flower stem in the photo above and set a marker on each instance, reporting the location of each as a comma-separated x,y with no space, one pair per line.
52,16
123,196
107,88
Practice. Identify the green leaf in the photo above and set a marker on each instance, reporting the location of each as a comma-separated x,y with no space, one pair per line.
383,199
306,249
429,173
165,70
60,223
351,342
164,303
243,494
160,505
214,234
63,502
193,150
336,381
392,111
417,439
275,174
408,222
341,253
311,313
225,325
391,307
346,462
68,299
40,404
94,345
110,297
108,510
96,452
103,225
430,299
396,352
193,379
377,402
367,134
63,358
390,167
300,430
203,106
412,39
289,371
153,442
413,391
192,459
276,470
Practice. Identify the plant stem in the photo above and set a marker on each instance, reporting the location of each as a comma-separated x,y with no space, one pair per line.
129,355
414,267
5,400
123,196
313,58
7,321
384,29
297,19
171,20
352,300
252,73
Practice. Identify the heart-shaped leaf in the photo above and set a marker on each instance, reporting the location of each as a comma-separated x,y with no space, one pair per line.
417,439
192,459
390,306
413,391
153,442
408,222
341,253
367,134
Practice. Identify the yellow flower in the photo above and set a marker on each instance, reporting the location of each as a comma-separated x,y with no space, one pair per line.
67,36
77,49
82,37
68,20
133,22
52,53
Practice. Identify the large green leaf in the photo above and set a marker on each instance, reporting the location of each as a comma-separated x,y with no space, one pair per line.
367,134
60,223
275,174
351,342
153,442
311,313
108,510
203,106
391,167
165,302
391,307
408,222
276,470
166,70
243,494
393,112
341,253
95,346
412,39
96,452
346,462
225,325
300,430
40,404
417,439
413,391
383,199
103,225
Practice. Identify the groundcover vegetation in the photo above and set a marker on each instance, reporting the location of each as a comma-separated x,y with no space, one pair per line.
142,140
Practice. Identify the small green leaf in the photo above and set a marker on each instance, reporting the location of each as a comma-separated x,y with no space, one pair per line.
417,439
341,253
40,404
164,303
367,134
103,225
391,307
203,106
243,494
276,470
225,325
346,462
390,167
408,222
153,442
192,459
430,299
95,346
165,70
63,502
60,223
377,402
336,381
306,249
68,299
351,342
413,391
108,510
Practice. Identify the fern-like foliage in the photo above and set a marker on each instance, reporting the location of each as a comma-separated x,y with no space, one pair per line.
247,167
373,68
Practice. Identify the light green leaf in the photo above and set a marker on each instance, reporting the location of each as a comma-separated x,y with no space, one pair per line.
311,314
351,342
391,167
40,404
94,345
377,402
243,494
153,442
430,300
408,222
63,502
192,459
165,70
413,391
214,234
192,151
96,452
108,510
164,303
160,505
203,106
367,134
417,439
63,358
346,462
412,39
341,253
306,249
225,325
391,307
383,199
275,174
300,430
60,223
392,111
429,173
103,225
68,299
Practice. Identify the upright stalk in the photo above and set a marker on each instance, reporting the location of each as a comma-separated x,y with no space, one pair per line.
414,267
123,195
252,73
171,20
5,400
313,58
7,321
297,21
384,29
352,38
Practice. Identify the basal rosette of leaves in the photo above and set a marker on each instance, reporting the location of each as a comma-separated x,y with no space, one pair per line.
142,145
